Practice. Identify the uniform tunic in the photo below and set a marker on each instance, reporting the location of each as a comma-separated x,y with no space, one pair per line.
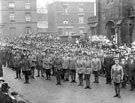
80,69
88,68
72,65
117,73
96,64
65,63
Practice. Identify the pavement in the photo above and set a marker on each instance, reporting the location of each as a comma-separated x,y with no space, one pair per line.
42,91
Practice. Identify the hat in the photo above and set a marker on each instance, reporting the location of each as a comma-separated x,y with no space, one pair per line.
1,79
14,93
4,87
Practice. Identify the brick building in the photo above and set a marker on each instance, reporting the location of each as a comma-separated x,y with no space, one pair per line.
18,17
65,18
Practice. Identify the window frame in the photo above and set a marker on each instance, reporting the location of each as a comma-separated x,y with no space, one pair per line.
11,5
28,17
12,17
27,6
80,19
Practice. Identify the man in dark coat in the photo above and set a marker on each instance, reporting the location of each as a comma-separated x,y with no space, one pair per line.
4,95
131,69
25,64
17,66
39,61
1,62
108,62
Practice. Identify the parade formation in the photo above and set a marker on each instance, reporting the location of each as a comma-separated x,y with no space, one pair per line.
72,63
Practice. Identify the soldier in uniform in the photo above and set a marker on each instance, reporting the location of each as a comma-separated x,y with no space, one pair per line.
96,66
17,66
39,64
125,77
72,67
58,67
80,70
117,76
87,71
32,60
26,68
65,67
47,64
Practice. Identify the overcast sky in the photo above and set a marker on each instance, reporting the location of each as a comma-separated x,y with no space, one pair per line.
41,3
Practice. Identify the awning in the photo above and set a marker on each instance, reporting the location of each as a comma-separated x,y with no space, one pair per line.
119,22
94,25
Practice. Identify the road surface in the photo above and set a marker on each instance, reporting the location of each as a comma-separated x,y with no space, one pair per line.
41,91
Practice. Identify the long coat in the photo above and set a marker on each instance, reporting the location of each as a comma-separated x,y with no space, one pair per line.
1,62
25,65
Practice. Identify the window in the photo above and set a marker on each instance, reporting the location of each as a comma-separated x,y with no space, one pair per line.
11,5
65,22
27,5
28,30
81,9
81,30
81,20
12,17
110,1
65,8
28,17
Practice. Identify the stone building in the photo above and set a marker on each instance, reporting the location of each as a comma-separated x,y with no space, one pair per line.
18,17
116,17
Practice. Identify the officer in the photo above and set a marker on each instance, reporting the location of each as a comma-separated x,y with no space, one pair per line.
117,76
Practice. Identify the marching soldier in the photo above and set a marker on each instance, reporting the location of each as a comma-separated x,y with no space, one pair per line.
96,66
117,76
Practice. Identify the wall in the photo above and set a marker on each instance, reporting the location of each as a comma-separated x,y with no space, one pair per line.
20,24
